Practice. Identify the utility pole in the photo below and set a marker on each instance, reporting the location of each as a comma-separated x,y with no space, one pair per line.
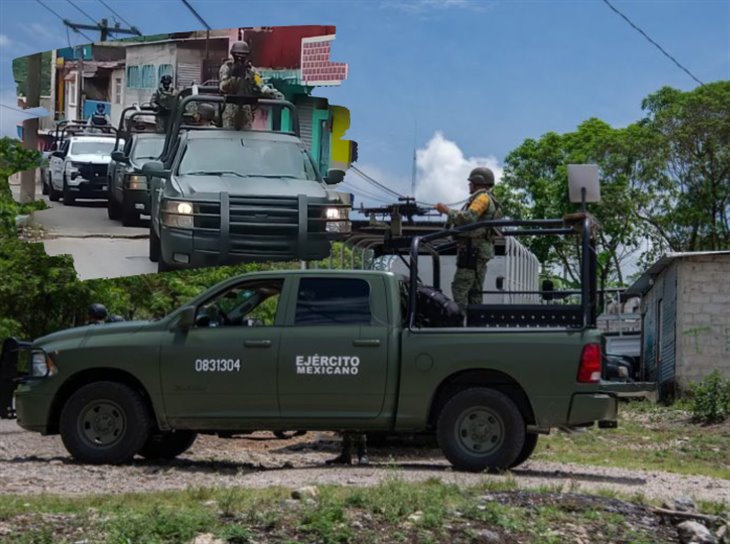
30,126
103,28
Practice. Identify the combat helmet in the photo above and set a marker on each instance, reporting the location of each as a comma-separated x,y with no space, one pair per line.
166,80
482,175
240,48
97,311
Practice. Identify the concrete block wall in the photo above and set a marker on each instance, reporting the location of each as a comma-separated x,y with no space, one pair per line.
703,317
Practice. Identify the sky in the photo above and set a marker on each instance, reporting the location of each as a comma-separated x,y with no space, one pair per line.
463,82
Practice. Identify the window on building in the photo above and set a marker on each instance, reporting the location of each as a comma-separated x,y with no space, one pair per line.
148,77
163,70
133,77
118,90
71,88
332,301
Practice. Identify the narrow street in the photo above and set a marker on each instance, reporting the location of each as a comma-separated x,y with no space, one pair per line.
100,247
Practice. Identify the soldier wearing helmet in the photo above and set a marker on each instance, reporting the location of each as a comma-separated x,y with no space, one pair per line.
238,77
164,99
97,314
474,248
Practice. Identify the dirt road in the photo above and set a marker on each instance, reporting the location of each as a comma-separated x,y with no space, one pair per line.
32,464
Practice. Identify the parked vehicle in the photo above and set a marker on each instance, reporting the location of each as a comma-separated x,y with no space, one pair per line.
79,168
221,196
365,351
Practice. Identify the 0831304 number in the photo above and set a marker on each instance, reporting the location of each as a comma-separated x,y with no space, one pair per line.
217,365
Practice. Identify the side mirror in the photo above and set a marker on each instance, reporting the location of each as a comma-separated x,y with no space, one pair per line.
187,318
334,177
155,169
119,156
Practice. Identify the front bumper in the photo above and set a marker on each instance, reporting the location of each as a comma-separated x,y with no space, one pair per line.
238,229
95,189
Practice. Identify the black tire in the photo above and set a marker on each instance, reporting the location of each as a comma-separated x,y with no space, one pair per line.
105,423
162,266
481,429
168,445
154,245
527,449
53,195
112,208
130,216
68,198
44,185
436,309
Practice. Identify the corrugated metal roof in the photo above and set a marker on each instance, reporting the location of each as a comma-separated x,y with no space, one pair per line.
644,283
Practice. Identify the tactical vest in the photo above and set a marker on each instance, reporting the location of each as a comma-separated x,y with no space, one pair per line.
492,212
243,86
98,119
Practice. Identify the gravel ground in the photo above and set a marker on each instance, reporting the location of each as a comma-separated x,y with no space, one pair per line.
32,464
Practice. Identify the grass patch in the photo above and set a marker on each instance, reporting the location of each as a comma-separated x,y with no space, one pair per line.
651,437
394,511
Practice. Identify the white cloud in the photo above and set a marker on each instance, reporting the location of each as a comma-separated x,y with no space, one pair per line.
442,170
5,41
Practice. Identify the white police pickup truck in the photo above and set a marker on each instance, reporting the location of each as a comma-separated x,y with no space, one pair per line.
79,168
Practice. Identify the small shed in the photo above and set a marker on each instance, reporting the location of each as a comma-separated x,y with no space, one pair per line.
685,318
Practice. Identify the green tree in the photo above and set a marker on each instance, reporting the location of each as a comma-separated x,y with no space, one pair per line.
13,158
536,187
690,210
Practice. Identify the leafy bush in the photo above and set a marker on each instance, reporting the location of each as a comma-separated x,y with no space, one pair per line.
710,398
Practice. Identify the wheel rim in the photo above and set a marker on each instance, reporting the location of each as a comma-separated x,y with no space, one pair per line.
480,431
102,423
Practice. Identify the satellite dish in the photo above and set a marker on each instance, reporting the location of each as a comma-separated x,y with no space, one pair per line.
583,183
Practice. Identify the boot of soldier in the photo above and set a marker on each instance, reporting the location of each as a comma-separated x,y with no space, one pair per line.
342,459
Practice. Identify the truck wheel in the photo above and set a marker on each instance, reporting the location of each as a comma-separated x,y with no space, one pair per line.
154,245
44,184
68,198
480,429
168,445
527,449
53,194
112,208
104,423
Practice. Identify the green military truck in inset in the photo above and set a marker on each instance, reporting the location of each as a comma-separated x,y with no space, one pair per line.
321,350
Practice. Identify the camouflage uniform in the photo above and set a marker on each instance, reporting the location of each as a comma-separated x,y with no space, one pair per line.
474,248
236,79
165,100
349,439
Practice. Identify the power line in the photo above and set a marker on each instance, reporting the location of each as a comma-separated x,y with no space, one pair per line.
197,15
89,17
107,6
64,21
367,178
18,110
670,57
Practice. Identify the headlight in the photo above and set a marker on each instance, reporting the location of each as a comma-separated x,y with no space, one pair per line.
177,213
41,365
136,182
338,219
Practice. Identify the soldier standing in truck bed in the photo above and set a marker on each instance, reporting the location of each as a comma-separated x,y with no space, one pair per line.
164,100
474,248
238,77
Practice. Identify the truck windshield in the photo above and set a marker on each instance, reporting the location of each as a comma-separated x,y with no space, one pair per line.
250,158
94,148
148,148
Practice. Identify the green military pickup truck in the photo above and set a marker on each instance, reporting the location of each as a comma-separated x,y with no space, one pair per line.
323,350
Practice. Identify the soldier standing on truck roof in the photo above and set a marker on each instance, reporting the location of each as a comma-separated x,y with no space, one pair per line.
164,99
474,248
359,440
238,77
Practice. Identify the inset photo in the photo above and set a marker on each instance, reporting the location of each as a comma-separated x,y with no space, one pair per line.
186,150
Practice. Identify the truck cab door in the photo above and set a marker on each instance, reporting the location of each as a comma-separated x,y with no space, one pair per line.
333,362
222,370
55,164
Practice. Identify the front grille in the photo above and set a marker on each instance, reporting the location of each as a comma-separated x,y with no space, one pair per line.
93,172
